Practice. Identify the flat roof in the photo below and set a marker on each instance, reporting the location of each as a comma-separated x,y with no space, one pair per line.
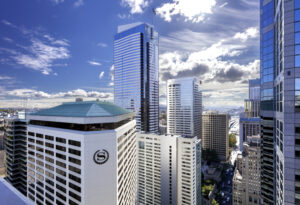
10,195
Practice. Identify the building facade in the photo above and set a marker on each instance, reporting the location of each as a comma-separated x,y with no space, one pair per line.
280,76
136,83
169,169
184,107
246,179
15,130
82,153
250,118
215,128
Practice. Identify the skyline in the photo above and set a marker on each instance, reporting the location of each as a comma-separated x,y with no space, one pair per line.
202,43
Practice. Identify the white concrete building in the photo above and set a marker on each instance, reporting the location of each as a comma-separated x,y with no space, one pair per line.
82,153
169,169
184,107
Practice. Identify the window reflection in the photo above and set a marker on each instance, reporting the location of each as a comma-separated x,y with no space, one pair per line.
297,94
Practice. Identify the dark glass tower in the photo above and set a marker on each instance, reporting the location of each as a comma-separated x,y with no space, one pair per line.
136,73
280,101
15,131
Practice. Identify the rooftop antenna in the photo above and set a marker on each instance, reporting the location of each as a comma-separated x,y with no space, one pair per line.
153,14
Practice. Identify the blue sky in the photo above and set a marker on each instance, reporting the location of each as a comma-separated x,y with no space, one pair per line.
56,50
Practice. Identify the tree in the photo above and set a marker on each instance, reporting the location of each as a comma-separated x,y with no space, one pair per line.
232,140
214,202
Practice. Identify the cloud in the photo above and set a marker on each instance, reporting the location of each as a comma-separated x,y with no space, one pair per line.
103,45
218,64
101,75
249,33
3,77
7,39
112,77
57,1
123,16
41,54
78,3
31,93
224,4
136,6
31,98
191,10
94,63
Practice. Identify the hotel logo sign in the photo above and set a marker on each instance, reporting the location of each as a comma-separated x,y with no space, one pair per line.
101,156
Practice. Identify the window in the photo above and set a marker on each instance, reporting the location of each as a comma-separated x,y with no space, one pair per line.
297,50
297,26
297,14
75,152
74,143
61,164
60,148
297,95
61,140
297,130
76,179
75,196
61,180
49,137
39,135
297,60
141,145
61,156
74,169
297,4
75,161
297,38
31,133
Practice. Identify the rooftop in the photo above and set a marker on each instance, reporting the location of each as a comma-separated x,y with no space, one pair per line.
83,109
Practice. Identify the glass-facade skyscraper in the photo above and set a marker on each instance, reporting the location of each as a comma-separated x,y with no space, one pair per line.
136,83
280,113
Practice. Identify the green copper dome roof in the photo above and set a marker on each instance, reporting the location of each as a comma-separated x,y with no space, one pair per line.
84,109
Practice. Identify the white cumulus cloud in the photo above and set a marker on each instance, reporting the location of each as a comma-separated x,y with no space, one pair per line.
136,6
191,10
249,33
101,75
94,63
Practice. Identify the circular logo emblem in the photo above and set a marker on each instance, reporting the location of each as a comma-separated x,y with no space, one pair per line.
101,156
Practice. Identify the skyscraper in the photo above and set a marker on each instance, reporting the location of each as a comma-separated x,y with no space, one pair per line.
136,84
169,169
280,85
250,118
82,153
246,179
215,133
15,130
184,107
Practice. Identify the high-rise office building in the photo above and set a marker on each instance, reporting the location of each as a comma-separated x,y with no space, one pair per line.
250,118
82,153
169,169
136,83
184,107
215,133
280,85
246,179
15,130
